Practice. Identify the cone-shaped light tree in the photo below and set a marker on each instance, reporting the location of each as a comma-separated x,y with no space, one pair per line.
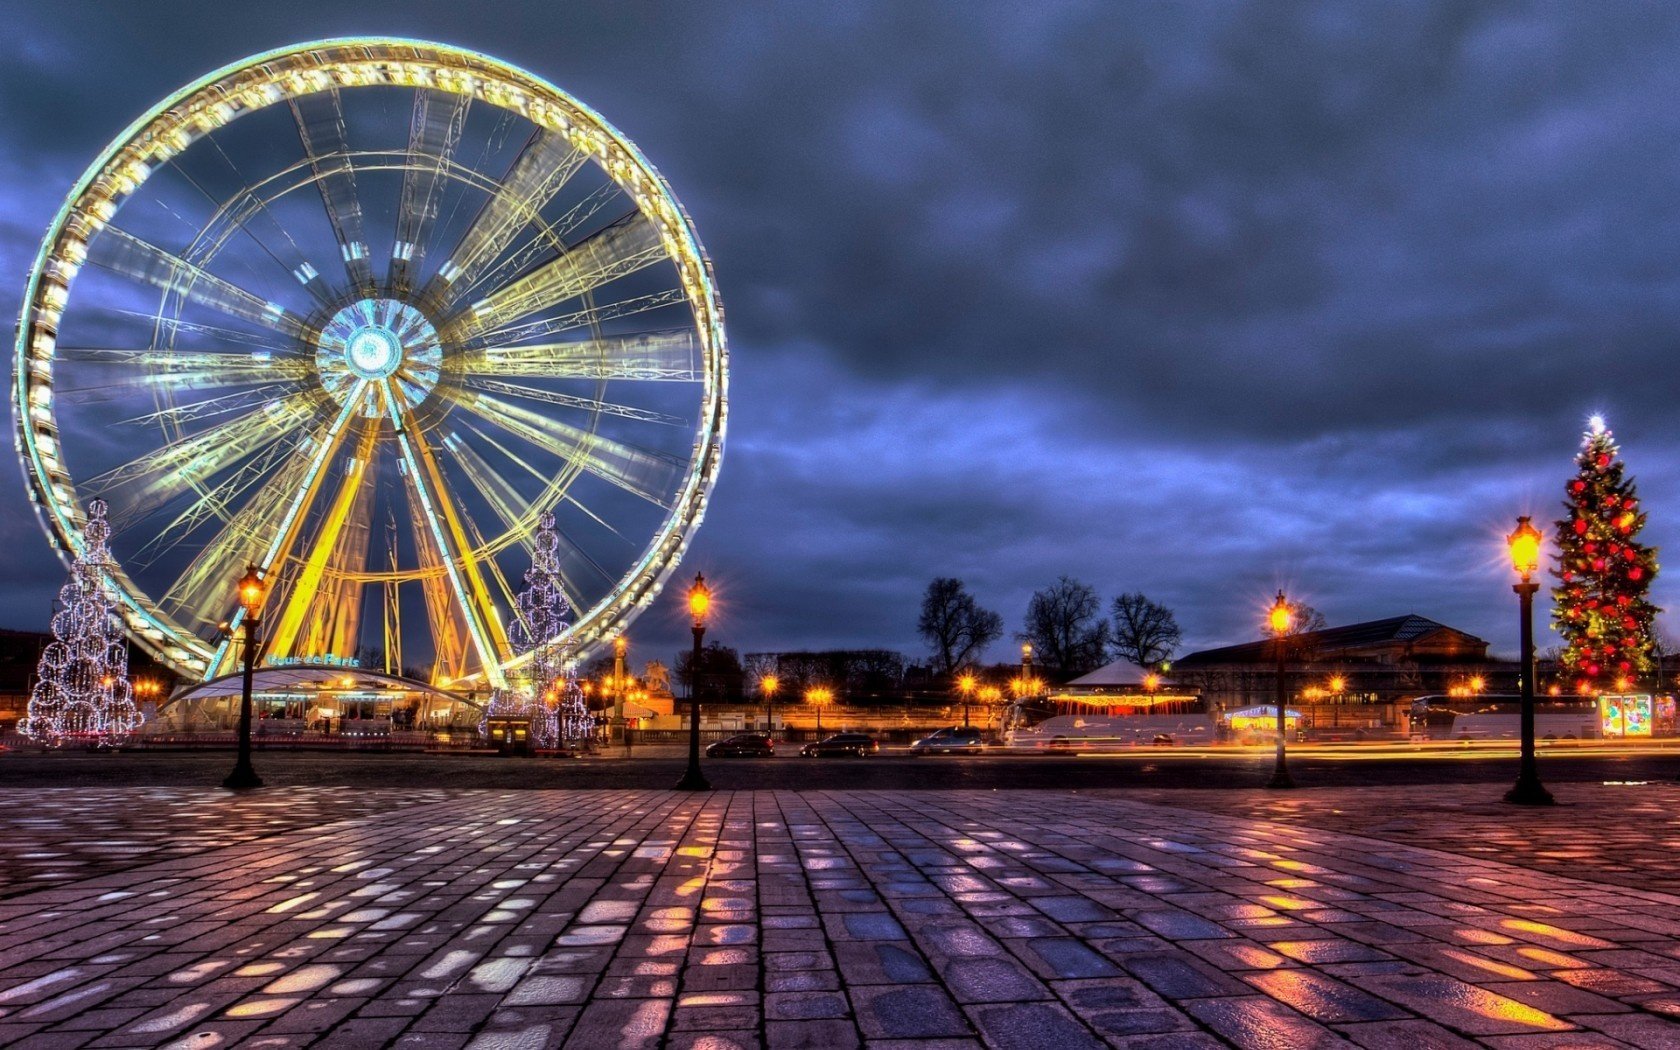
82,692
1603,572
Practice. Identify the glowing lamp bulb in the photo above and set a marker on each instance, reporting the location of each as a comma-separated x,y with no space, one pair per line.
251,589
769,684
1281,616
1525,548
699,599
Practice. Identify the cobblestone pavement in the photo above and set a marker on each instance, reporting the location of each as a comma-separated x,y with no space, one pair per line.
1625,833
936,920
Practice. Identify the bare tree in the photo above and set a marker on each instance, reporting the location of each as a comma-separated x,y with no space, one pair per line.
1065,625
1145,632
956,628
1304,619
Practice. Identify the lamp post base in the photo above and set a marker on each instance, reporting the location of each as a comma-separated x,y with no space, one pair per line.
1281,779
694,780
242,778
1529,792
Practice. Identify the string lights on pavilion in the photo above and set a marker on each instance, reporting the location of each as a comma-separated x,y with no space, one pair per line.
1603,571
82,693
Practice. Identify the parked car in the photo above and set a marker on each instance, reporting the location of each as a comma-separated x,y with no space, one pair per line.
961,740
857,745
742,745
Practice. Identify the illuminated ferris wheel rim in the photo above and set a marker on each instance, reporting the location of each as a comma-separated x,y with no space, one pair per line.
254,83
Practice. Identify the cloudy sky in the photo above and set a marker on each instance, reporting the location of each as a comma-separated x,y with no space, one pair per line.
1198,299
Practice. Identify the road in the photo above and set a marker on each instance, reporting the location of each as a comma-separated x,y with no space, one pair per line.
1321,766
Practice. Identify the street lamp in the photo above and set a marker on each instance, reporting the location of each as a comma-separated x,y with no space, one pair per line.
1525,559
251,591
768,686
699,600
1280,618
817,697
965,686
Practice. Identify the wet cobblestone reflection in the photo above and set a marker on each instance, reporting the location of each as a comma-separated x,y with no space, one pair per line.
452,918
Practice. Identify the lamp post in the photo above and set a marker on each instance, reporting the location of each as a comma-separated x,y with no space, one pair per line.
1525,559
817,697
768,686
1280,618
699,600
251,590
965,686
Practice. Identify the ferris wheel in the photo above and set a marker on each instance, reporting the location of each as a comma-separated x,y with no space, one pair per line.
362,312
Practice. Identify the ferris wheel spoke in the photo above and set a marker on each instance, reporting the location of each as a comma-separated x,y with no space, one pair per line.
217,500
168,471
174,326
202,585
544,243
626,246
583,404
320,123
211,407
434,133
546,477
306,588
590,317
298,500
454,552
543,166
639,471
672,357
237,213
172,370
121,252
517,514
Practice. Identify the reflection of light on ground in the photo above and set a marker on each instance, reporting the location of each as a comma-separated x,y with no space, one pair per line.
1475,936
1547,957
1496,1007
261,1007
1540,929
1515,973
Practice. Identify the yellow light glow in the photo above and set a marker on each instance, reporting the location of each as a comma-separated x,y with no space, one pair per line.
251,588
819,695
1525,548
1281,615
1337,683
620,643
699,599
1152,682
1476,683
1026,651
965,684
769,684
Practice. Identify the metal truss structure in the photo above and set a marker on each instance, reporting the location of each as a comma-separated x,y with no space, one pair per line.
362,312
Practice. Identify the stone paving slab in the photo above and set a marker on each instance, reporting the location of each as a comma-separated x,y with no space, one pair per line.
1621,832
820,919
54,835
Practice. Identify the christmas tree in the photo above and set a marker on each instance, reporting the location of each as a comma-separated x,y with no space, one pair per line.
82,693
547,690
1603,573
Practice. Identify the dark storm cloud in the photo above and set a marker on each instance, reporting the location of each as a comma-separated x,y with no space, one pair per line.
1199,298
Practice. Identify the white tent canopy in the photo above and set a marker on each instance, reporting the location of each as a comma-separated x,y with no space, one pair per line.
1121,674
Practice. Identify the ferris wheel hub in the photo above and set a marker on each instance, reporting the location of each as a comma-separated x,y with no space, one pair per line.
379,342
373,352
